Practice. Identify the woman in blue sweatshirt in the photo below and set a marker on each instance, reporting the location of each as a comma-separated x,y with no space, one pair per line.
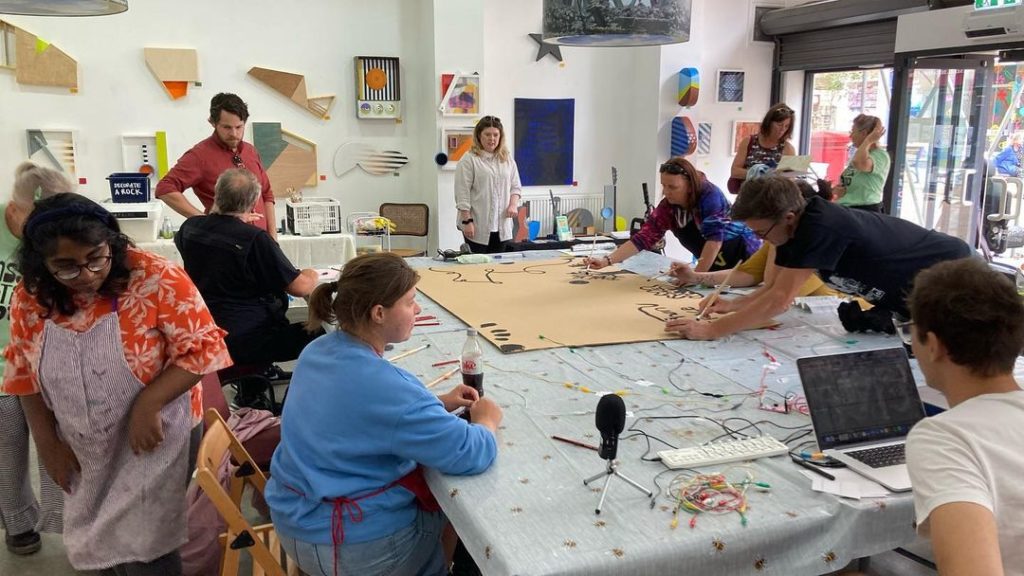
346,490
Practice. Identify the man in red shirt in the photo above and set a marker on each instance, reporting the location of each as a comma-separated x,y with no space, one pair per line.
199,167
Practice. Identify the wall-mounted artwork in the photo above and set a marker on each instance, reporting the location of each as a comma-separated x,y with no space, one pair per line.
544,136
684,137
145,154
757,12
545,49
461,95
293,87
730,86
741,129
289,159
371,160
689,87
174,68
378,88
455,142
34,60
53,149
703,138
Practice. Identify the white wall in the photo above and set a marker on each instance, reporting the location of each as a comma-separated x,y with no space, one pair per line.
625,97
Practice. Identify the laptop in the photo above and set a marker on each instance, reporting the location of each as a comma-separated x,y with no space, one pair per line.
863,405
794,164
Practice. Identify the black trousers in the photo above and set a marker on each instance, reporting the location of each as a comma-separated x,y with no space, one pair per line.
274,343
493,246
868,207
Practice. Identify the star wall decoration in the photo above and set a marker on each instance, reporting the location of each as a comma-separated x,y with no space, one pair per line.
543,48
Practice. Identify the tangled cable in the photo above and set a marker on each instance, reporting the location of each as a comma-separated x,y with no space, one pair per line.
712,494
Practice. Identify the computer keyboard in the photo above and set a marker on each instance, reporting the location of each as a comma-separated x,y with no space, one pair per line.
722,452
881,456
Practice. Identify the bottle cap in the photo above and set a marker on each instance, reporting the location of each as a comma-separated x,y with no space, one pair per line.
471,332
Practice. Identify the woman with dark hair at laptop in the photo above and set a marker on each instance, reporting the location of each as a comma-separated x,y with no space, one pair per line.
861,183
697,213
967,330
766,147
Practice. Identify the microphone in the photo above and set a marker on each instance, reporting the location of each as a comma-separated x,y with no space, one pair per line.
610,420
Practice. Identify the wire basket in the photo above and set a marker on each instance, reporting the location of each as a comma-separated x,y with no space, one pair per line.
314,216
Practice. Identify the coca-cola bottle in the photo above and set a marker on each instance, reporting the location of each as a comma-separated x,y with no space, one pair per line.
472,365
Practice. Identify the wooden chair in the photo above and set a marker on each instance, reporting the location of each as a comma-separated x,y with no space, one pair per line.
261,541
409,220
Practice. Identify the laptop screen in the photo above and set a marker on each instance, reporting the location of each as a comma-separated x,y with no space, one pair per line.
860,397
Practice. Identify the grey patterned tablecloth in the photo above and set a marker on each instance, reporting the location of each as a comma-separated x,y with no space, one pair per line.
531,514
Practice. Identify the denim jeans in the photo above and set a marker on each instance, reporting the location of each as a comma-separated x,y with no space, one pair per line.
412,551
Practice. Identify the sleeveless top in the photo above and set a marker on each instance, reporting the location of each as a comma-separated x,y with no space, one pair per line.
757,154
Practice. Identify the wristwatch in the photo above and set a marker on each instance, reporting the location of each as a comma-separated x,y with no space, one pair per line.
467,221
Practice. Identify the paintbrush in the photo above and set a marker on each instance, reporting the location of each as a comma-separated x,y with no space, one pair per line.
593,246
718,291
408,353
443,377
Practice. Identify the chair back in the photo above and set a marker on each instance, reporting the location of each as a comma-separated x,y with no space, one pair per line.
409,220
218,444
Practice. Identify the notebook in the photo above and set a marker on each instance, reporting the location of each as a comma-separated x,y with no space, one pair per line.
863,405
794,164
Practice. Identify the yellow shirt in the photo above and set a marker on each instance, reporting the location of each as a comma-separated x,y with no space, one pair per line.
758,261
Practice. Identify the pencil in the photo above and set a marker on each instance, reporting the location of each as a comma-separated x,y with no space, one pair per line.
408,353
812,468
444,363
427,324
718,291
575,443
443,377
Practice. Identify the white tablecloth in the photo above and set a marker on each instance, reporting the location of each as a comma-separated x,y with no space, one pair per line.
303,251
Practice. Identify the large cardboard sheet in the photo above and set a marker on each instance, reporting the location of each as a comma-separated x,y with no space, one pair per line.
532,305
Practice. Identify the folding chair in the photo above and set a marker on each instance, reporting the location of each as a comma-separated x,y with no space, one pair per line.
409,220
261,541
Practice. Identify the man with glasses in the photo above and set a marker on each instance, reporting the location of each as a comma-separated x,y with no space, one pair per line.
866,254
965,463
199,168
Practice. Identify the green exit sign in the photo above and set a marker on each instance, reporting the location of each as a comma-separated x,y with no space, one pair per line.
986,4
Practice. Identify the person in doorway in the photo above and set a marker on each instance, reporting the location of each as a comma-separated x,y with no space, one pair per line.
1010,161
861,183
243,275
862,253
21,516
967,330
200,167
766,147
346,490
487,189
108,343
697,213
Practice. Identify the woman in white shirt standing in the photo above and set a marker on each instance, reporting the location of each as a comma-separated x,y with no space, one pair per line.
487,189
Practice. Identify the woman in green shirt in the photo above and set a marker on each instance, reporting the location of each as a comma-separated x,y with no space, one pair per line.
860,185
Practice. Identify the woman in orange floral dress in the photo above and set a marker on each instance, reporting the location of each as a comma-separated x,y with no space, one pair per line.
108,344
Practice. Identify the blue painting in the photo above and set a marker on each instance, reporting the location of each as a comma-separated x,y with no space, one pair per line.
544,141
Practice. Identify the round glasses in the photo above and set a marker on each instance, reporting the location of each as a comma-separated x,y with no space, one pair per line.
72,271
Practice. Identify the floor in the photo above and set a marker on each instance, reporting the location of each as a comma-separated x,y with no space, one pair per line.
51,560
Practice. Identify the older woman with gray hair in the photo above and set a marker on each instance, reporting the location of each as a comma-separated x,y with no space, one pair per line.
20,514
244,276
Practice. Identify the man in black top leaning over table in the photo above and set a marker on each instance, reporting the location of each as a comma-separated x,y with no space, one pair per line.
244,276
870,255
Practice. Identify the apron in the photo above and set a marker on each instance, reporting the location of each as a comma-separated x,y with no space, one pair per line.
122,508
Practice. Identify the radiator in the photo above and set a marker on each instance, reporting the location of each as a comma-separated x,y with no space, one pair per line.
540,209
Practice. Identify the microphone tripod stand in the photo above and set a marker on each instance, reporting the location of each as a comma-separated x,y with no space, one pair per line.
612,469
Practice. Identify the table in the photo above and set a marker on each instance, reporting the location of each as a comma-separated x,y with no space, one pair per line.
304,251
531,514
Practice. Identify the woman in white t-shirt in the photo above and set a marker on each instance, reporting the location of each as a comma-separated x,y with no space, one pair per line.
487,189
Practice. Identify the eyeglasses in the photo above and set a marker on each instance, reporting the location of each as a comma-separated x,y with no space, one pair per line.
764,235
237,161
903,330
493,120
671,168
72,271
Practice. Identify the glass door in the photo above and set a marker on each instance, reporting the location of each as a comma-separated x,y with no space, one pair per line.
943,148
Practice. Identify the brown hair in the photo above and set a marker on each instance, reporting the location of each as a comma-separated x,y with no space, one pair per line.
768,197
974,311
490,122
682,167
778,113
227,102
365,282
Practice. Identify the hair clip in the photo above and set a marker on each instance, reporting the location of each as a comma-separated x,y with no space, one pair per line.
37,194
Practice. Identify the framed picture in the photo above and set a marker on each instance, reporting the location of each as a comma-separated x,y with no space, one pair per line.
757,11
455,142
730,86
703,139
741,129
460,95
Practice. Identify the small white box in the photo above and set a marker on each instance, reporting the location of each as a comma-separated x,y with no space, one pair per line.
139,220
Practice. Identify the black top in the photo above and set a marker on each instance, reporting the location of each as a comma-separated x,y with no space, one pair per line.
239,269
868,254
